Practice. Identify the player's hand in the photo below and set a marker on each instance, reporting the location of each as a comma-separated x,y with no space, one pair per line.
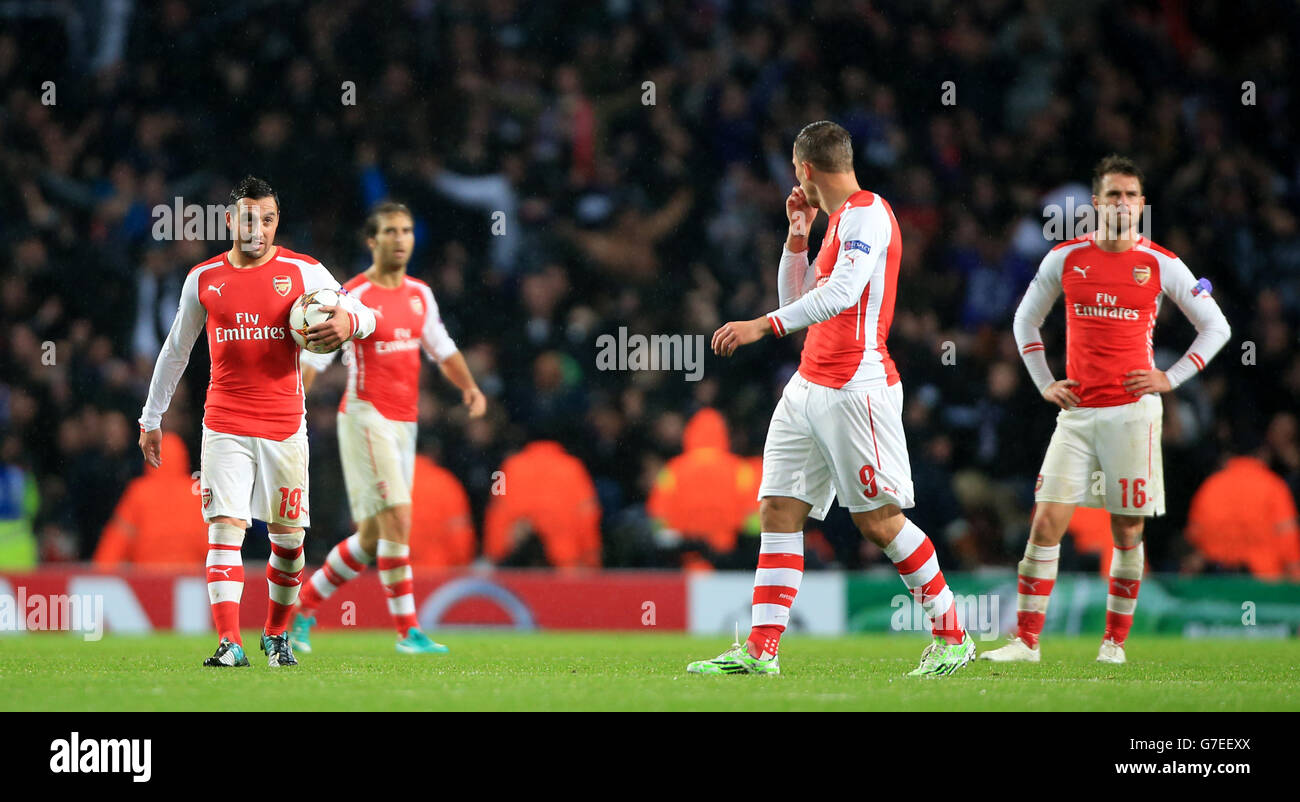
799,212
475,401
151,446
1058,392
1141,382
737,333
334,332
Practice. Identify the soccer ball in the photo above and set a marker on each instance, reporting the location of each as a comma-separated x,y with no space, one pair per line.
306,312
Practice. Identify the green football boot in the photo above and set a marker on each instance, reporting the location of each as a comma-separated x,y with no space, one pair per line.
942,658
736,660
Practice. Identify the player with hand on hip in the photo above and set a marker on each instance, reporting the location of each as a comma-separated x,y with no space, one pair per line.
1105,451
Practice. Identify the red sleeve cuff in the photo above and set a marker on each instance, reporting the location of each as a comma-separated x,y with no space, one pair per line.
777,328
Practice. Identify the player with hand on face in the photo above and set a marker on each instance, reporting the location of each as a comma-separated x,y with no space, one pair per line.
377,426
1105,451
838,429
254,454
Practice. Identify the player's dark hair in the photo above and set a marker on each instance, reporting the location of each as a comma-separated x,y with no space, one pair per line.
253,187
387,207
1115,164
826,146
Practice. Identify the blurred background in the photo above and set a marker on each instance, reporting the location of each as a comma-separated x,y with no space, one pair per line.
577,167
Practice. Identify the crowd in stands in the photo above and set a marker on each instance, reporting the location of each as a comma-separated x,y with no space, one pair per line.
579,167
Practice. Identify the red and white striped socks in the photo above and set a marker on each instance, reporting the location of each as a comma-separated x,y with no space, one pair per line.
345,561
913,555
776,583
225,573
395,573
283,578
1126,566
1036,577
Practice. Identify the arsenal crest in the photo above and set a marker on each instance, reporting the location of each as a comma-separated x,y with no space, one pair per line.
1141,273
282,284
1039,484
207,497
417,306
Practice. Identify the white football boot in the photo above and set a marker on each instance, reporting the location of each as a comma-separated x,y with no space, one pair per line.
1016,651
1111,652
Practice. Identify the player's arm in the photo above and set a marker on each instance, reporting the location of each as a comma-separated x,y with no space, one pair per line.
354,320
1027,327
1212,330
865,234
167,371
442,349
312,363
796,275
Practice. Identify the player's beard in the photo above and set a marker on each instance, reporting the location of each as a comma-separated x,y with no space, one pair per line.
255,248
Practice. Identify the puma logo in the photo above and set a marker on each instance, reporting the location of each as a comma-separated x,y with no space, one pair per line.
1083,271
217,290
1032,587
1125,587
212,569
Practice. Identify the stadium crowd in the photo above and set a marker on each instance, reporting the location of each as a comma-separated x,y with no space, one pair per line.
580,167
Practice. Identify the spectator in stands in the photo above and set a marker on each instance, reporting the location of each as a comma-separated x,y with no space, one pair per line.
155,523
543,511
1244,516
706,495
442,532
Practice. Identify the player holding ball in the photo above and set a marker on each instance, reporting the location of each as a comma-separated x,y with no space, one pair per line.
254,454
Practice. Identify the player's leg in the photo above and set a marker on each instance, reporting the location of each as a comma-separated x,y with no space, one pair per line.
345,562
281,499
912,553
776,583
227,469
1129,449
1065,480
394,562
1127,562
366,496
862,433
779,572
796,483
1035,579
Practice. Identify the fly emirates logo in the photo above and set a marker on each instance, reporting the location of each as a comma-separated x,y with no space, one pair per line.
1105,306
247,327
403,342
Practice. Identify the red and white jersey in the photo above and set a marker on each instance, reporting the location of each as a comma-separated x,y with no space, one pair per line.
1111,303
256,385
846,296
385,368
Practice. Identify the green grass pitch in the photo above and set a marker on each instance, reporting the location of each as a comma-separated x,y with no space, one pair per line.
635,671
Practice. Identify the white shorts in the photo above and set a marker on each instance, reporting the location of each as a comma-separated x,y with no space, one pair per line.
823,442
248,477
378,459
1107,457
